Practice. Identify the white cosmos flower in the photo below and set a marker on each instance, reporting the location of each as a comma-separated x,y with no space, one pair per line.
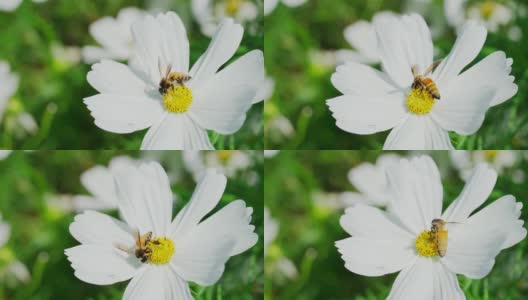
491,13
179,119
4,154
465,161
210,13
114,35
8,87
11,5
227,162
99,181
362,37
270,153
269,5
375,101
186,249
381,245
371,182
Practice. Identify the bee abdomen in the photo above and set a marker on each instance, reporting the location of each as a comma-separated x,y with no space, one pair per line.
431,88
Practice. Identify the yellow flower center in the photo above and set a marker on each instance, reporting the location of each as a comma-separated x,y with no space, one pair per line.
162,250
232,7
425,245
490,155
420,101
224,155
178,99
487,8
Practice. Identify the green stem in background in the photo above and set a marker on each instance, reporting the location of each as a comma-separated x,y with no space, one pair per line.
306,269
302,126
45,125
232,142
36,277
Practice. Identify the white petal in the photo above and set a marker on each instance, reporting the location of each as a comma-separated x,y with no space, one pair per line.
343,56
92,227
203,251
357,79
493,72
404,42
108,32
294,3
454,11
161,41
5,231
223,46
415,282
477,189
367,114
418,133
380,248
99,181
466,48
92,54
176,132
362,36
102,265
269,6
81,203
145,197
221,103
445,284
463,105
158,283
9,5
417,190
205,197
115,78
123,113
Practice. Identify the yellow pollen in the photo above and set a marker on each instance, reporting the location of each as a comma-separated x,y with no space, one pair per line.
232,7
420,101
487,8
425,246
490,155
224,155
177,99
162,250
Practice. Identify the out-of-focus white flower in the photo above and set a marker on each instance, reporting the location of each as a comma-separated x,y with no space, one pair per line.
27,122
382,244
266,91
4,154
371,182
375,101
179,115
210,13
4,232
187,248
70,55
465,161
270,153
13,267
99,181
362,37
269,5
228,162
271,229
323,58
279,127
114,35
491,13
11,5
8,86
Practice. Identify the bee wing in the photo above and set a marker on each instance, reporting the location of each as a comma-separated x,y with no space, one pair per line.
168,70
414,70
124,249
432,67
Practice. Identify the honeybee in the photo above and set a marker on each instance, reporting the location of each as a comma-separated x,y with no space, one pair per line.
439,235
169,78
142,251
426,83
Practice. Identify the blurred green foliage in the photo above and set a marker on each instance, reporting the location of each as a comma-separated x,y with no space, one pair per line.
30,180
52,90
303,83
301,196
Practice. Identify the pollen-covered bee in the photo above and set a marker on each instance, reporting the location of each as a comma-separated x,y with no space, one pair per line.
142,251
439,236
426,83
169,78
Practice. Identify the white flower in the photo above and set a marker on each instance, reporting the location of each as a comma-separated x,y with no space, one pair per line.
375,101
114,35
371,182
99,181
380,244
491,13
13,267
269,5
271,229
69,55
11,5
4,232
270,153
130,99
465,161
266,91
8,87
188,249
227,162
210,13
4,154
362,36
